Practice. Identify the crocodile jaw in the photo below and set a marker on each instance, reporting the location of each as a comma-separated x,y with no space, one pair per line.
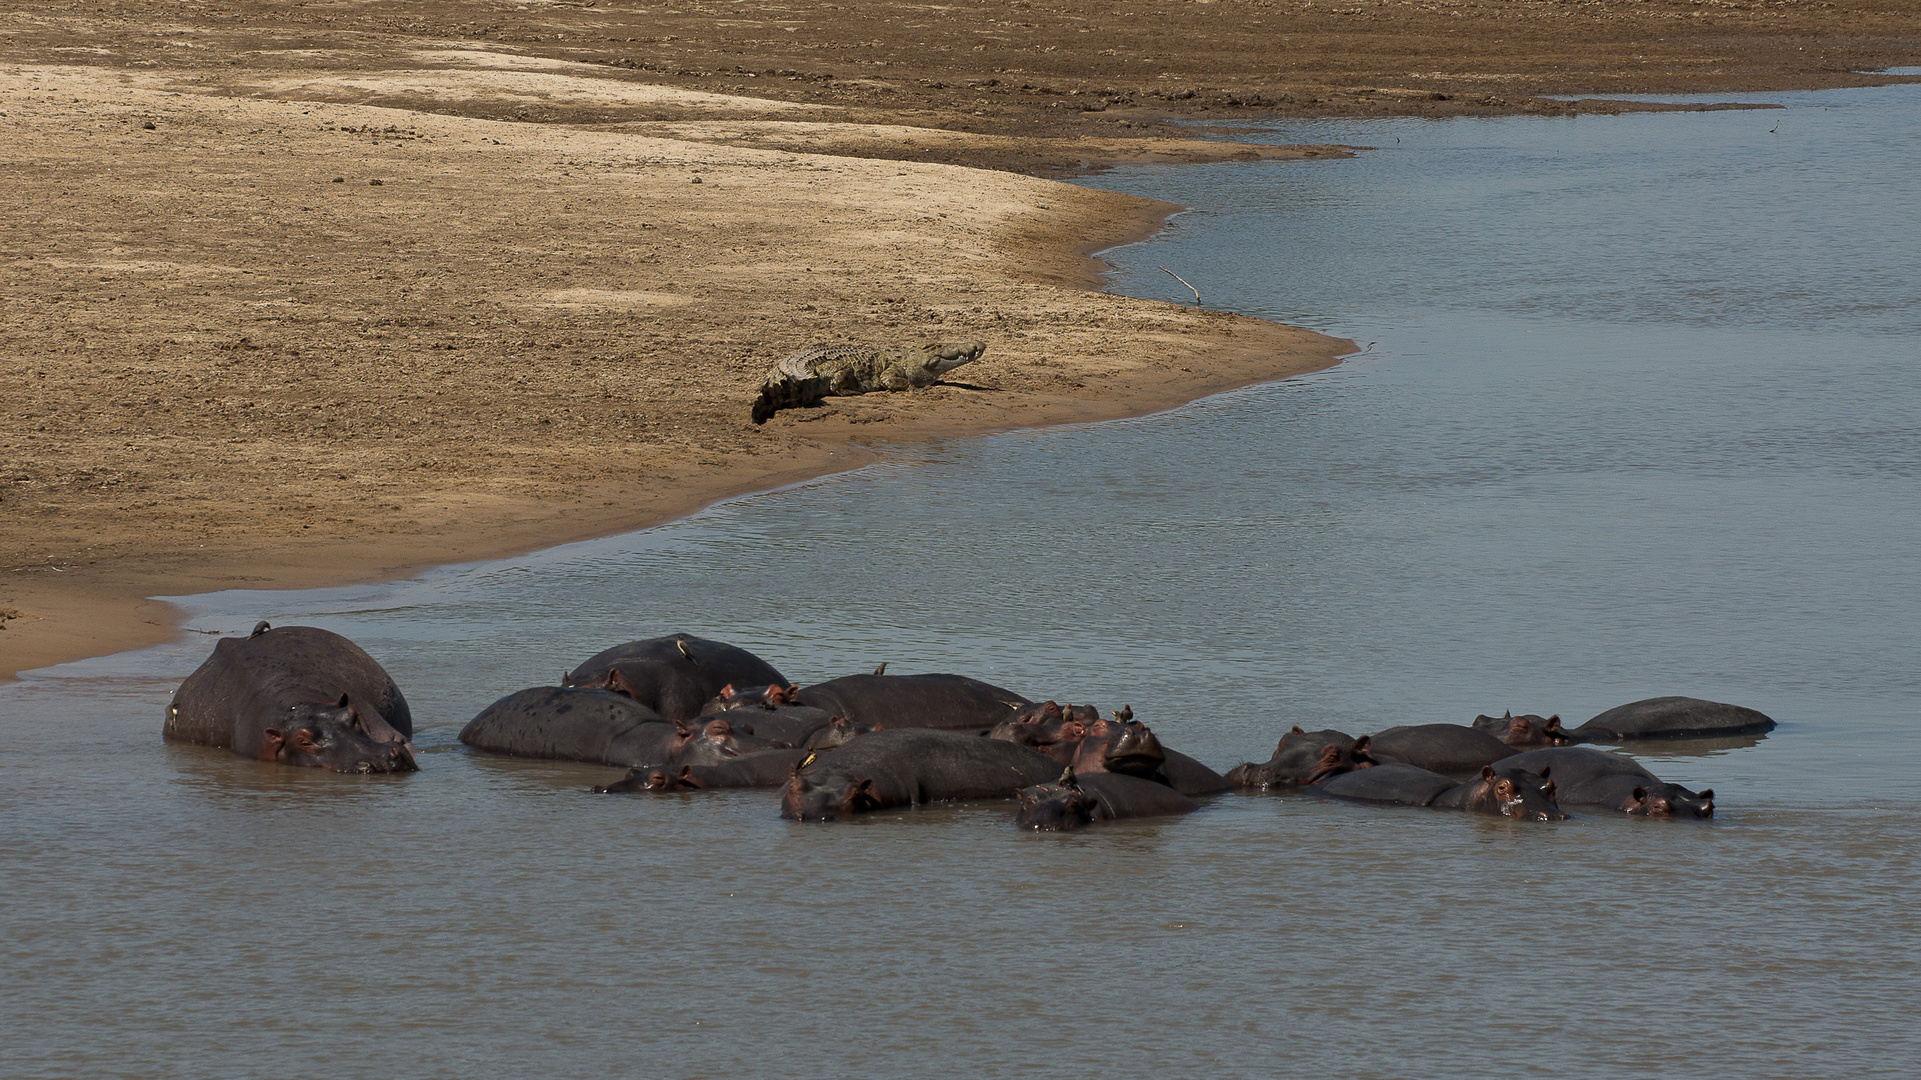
951,354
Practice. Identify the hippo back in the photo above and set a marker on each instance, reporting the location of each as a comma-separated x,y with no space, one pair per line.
1672,718
568,723
1449,749
1393,784
677,675
944,702
258,677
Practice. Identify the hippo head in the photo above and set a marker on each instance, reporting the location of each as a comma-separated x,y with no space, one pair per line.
709,744
1055,807
1034,726
825,798
837,732
1530,731
652,778
1669,800
1113,746
344,737
1337,758
750,697
1513,795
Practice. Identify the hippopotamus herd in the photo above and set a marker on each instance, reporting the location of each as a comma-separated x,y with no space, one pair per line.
681,713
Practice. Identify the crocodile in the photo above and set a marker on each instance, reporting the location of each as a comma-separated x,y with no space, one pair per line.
845,370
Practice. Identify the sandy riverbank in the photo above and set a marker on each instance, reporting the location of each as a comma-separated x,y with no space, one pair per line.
298,297
232,369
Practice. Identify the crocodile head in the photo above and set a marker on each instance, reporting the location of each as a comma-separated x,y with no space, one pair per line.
937,358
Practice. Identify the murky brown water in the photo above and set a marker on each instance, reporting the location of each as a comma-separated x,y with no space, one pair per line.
1642,419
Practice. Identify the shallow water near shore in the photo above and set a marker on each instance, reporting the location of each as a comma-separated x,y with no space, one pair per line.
1642,416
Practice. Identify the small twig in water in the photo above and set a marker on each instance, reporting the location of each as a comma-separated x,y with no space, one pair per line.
1182,280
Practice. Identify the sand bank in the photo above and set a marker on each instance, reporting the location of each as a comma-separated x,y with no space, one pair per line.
278,343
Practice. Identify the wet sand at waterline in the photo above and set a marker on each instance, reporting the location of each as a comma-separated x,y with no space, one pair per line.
297,298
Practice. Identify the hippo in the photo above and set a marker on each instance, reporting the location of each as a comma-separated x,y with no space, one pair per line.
946,702
1671,718
1187,776
1525,732
674,676
572,723
1449,749
1076,800
1529,798
1077,737
767,711
297,695
1303,757
909,766
759,769
1585,777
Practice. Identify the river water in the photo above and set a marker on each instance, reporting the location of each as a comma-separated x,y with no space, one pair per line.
1640,417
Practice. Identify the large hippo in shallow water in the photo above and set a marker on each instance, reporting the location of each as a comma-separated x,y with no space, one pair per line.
909,766
1584,777
297,695
946,702
1085,799
1449,749
674,676
1671,718
571,723
1523,798
1304,757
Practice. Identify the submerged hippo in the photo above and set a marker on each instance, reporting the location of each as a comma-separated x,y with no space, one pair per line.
571,723
1671,718
1075,800
1449,749
1585,777
910,766
297,695
674,676
759,769
1530,798
1304,757
946,702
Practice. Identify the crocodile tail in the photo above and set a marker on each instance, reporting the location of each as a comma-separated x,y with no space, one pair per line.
779,393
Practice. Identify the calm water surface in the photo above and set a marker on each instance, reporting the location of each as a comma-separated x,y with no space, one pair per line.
1640,417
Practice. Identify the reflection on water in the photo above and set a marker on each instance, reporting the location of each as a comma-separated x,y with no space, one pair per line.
1640,419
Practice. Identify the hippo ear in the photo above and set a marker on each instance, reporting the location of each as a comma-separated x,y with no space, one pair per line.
1639,795
1487,772
1361,744
273,745
1297,730
342,703
687,777
681,729
1545,769
726,692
